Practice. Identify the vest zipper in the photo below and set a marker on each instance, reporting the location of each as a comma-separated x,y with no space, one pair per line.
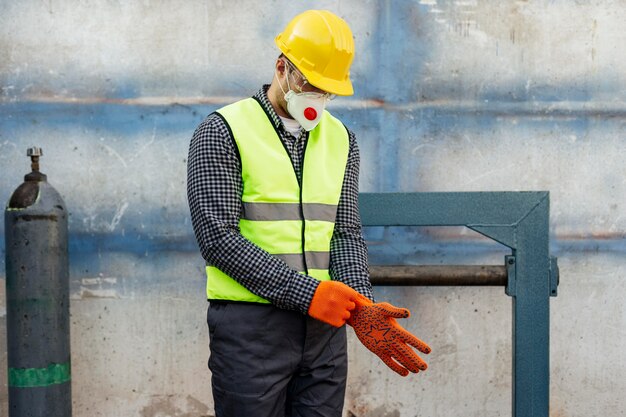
306,268
300,182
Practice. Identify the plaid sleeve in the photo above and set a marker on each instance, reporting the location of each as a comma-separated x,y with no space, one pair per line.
348,251
214,189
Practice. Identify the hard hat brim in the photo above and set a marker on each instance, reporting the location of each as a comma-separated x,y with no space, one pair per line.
332,86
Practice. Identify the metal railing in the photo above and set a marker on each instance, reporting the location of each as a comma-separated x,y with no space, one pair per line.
518,220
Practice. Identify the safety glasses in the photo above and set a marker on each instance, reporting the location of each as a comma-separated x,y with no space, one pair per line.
311,90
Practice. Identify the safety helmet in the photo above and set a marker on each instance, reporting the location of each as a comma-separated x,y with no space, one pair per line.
319,43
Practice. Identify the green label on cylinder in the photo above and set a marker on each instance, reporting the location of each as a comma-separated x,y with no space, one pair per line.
56,373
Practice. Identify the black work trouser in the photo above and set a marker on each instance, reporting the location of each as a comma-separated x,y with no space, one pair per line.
268,362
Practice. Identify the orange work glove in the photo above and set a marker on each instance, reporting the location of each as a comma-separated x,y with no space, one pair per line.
377,329
332,303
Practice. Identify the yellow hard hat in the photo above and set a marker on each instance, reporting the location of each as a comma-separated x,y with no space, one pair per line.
319,43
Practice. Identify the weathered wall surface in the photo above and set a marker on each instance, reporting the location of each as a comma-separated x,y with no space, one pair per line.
450,96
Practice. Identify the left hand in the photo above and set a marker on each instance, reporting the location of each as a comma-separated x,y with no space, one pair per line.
377,329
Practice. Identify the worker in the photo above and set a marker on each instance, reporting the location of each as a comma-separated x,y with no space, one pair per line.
273,193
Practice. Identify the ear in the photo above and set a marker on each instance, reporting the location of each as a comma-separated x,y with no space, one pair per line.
281,67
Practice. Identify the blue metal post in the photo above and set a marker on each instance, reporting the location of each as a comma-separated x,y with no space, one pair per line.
531,315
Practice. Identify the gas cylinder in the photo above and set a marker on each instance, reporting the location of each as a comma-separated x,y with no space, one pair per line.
37,292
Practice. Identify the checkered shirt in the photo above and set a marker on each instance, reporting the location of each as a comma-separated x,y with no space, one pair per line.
214,190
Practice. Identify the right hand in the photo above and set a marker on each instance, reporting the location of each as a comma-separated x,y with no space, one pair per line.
332,302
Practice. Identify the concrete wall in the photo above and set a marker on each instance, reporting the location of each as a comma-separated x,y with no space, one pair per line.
450,96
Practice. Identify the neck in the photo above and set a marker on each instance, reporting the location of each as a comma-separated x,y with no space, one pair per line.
274,94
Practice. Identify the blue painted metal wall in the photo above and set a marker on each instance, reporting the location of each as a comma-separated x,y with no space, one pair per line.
450,96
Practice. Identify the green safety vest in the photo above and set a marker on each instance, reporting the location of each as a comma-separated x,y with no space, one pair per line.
290,222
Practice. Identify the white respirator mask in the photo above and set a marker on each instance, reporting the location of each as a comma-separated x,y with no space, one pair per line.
305,107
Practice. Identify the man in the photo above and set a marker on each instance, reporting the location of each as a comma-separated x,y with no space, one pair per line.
273,190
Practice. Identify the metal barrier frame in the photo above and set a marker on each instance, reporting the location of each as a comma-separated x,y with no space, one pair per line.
520,221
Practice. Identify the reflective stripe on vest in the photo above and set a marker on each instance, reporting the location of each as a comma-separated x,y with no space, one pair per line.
293,223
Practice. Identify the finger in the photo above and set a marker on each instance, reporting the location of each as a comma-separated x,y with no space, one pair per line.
361,300
392,311
396,367
345,316
346,310
408,338
407,357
